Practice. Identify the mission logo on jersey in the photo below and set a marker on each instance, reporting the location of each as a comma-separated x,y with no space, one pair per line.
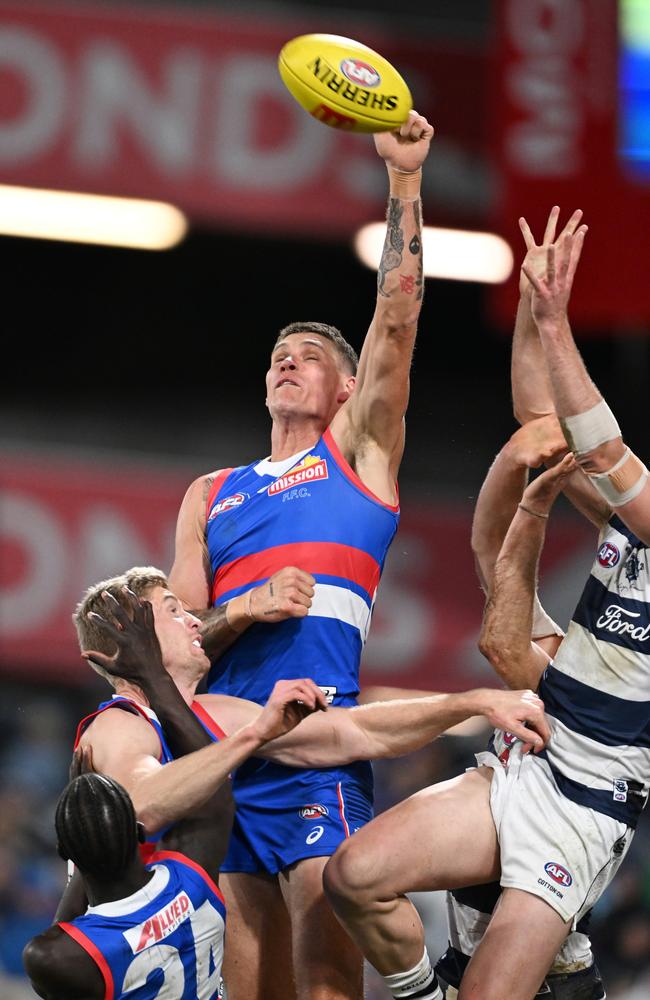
310,469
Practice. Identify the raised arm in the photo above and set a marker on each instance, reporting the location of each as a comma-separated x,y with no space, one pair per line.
589,425
508,621
369,428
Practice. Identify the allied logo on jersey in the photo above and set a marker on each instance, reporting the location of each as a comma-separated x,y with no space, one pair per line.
309,470
558,873
620,790
236,500
313,811
608,555
160,925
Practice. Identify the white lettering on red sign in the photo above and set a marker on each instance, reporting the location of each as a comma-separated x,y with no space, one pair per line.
542,83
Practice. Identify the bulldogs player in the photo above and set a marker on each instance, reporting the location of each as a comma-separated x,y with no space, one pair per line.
156,929
290,549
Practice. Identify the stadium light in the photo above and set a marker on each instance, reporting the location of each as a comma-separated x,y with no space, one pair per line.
87,218
457,254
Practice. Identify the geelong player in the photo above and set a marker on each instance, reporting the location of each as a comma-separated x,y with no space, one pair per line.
290,549
573,975
155,929
555,827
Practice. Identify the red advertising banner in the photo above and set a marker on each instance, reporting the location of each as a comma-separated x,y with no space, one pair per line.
67,524
189,108
557,137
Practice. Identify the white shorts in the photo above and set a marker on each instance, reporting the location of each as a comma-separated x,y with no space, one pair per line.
550,846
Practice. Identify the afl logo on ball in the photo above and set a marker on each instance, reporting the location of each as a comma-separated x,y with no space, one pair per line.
360,72
608,555
558,873
313,811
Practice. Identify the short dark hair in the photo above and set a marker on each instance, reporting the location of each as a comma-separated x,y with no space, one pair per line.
96,826
347,353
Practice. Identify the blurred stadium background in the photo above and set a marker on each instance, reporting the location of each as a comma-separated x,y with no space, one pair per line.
126,373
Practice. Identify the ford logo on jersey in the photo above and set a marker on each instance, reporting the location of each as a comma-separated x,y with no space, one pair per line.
558,873
313,811
227,504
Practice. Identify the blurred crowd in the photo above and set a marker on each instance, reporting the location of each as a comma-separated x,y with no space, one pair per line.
37,728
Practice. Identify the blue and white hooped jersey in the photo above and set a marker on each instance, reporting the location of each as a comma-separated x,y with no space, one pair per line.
597,689
310,511
165,941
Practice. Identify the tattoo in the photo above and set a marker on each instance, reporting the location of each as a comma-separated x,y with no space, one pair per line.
207,486
271,588
407,283
393,246
216,634
417,212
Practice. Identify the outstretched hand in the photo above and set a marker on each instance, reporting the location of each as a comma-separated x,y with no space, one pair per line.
289,704
536,257
407,147
138,658
552,289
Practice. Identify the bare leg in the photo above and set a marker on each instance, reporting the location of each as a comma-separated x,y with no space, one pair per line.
420,844
327,964
516,951
257,958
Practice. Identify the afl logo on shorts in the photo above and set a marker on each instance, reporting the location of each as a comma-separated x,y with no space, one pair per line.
234,501
608,555
360,72
558,873
313,811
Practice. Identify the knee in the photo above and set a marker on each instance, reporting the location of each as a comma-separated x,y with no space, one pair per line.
347,878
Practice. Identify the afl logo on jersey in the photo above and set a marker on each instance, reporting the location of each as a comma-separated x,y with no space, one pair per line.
558,873
313,811
608,555
227,504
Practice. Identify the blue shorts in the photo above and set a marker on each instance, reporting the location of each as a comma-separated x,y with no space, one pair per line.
302,819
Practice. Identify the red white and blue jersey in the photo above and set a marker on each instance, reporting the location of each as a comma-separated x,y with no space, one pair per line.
165,941
165,755
311,511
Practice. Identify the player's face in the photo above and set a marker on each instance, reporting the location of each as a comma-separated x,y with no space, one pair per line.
178,633
306,378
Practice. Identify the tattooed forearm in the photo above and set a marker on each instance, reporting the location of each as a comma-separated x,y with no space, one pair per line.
207,486
216,633
419,281
393,246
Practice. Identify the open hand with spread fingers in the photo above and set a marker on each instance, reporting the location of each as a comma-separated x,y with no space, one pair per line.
138,658
536,255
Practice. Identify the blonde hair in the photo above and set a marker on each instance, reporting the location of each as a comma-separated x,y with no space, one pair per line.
140,579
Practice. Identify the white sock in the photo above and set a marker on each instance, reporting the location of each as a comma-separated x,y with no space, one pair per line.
418,983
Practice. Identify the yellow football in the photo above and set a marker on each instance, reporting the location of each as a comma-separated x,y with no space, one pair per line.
344,83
